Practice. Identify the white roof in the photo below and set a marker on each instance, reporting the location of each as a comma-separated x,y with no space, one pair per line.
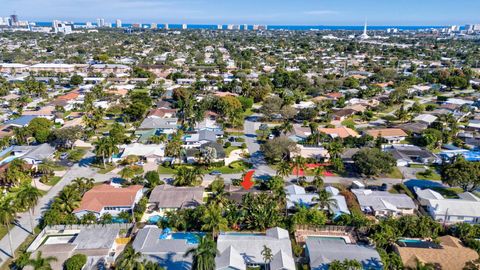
52,65
13,65
427,194
428,118
455,207
382,200
145,150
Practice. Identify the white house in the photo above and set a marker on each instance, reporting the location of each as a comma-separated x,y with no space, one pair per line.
464,209
109,199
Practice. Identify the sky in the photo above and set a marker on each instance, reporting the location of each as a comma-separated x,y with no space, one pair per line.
273,12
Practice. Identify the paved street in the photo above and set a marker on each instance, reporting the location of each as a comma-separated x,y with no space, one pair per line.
23,226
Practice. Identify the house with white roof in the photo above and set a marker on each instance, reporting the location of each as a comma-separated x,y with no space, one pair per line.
464,209
242,250
382,203
425,118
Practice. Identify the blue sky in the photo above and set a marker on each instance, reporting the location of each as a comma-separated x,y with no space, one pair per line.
296,12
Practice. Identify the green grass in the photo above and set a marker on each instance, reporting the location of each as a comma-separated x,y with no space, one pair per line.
75,155
348,122
3,230
229,149
166,170
395,173
53,181
433,176
107,169
234,167
418,166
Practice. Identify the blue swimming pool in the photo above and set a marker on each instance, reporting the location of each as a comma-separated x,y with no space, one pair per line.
411,240
119,220
154,219
191,237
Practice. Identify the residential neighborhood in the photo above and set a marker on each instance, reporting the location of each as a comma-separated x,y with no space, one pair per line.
211,149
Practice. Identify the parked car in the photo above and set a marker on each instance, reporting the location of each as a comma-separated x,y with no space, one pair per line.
64,156
215,173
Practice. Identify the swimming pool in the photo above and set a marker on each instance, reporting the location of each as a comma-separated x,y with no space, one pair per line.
154,219
191,237
119,220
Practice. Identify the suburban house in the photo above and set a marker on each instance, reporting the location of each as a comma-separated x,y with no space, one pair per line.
162,113
411,154
109,199
148,152
167,197
425,118
464,209
341,132
34,154
391,135
321,251
160,125
340,207
242,250
317,153
383,203
102,244
164,247
195,140
297,196
21,121
449,254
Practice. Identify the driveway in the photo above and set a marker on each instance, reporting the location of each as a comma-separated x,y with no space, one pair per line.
22,227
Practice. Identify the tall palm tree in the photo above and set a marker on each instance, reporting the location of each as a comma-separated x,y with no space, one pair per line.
174,146
7,216
334,149
203,254
105,148
40,263
299,163
213,220
284,168
286,127
46,167
267,256
27,197
318,178
325,200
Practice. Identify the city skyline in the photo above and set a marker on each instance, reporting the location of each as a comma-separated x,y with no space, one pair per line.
302,12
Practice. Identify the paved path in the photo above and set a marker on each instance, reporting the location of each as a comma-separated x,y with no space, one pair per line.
22,227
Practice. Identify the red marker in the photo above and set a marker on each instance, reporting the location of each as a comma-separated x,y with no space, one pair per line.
247,182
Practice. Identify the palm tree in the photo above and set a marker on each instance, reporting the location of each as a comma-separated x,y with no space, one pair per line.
174,146
325,200
157,139
40,263
27,197
334,149
185,176
286,127
318,178
267,256
83,184
203,254
213,220
129,259
284,168
68,200
7,216
299,163
46,167
106,147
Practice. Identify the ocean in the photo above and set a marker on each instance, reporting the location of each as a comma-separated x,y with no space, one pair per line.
278,27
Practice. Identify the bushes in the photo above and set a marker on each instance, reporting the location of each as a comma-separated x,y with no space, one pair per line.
401,188
76,262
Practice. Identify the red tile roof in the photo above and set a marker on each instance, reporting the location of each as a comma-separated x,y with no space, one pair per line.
106,195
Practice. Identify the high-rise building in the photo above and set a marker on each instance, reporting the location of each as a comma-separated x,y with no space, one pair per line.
245,27
230,26
184,26
472,27
219,27
118,23
101,22
153,26
88,25
166,27
13,20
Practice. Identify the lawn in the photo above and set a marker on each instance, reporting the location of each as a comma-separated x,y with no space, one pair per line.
75,155
3,230
102,170
234,167
429,176
229,149
166,170
53,181
395,173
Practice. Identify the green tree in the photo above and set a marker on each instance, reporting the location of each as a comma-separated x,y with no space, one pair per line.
40,263
372,162
7,216
213,220
27,197
284,168
204,254
76,80
345,265
325,200
76,262
105,148
462,173
267,256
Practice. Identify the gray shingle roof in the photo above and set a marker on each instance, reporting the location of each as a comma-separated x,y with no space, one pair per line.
167,196
382,200
322,251
250,246
154,123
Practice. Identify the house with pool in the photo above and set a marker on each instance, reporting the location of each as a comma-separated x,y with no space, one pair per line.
241,250
109,199
165,247
165,198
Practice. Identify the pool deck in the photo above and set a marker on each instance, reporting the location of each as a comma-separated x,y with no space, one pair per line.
302,233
